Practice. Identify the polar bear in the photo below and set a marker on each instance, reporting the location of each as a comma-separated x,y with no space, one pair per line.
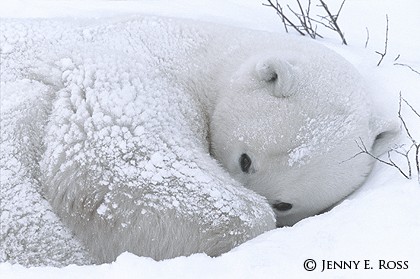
289,127
135,108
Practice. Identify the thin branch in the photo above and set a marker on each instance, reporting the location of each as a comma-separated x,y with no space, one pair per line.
333,19
408,66
411,107
415,144
305,24
386,43
305,21
390,162
310,28
402,119
418,161
399,150
323,23
407,159
282,18
279,10
339,10
367,37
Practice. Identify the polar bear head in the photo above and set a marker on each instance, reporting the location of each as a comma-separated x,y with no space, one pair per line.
287,127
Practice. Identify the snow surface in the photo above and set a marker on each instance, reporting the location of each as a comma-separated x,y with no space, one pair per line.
381,221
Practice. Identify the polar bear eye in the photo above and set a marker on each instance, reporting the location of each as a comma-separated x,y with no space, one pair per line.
282,206
245,163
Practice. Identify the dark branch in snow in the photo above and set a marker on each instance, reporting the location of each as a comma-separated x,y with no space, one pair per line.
367,37
305,24
386,43
408,66
283,17
399,150
305,20
405,65
390,162
415,144
332,20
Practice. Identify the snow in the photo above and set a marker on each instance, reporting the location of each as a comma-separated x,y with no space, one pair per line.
381,221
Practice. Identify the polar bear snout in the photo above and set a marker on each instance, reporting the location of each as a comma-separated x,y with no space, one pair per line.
282,206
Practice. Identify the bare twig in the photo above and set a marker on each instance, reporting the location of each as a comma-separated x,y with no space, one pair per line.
305,24
333,20
386,43
410,106
339,10
415,144
408,66
399,150
390,162
402,119
305,20
282,18
417,155
405,65
285,20
367,37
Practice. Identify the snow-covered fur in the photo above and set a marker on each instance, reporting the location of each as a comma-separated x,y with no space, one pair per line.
112,126
302,122
112,123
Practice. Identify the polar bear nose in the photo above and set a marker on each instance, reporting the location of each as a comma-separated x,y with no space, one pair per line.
282,206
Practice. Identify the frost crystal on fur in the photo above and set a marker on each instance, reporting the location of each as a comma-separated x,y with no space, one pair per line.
106,123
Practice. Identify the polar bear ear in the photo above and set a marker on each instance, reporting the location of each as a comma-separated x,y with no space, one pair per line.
278,73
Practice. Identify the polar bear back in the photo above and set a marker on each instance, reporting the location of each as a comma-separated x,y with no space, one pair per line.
124,157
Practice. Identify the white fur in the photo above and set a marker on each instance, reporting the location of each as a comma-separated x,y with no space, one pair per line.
302,131
124,157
